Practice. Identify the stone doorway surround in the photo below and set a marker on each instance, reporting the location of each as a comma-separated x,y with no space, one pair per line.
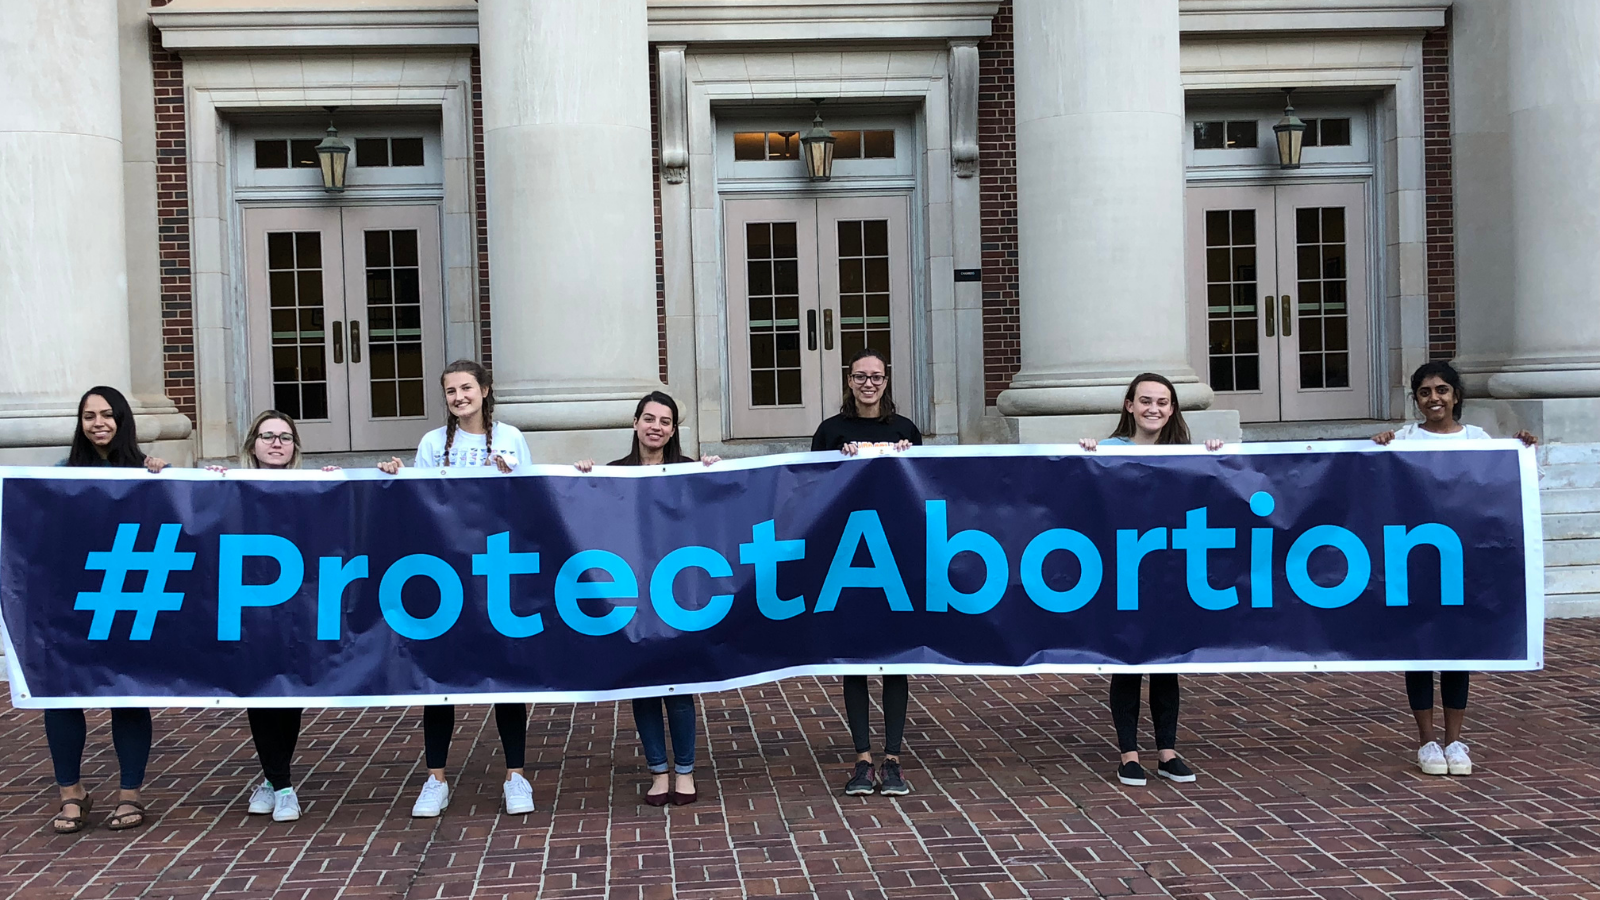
1230,46
940,82
412,58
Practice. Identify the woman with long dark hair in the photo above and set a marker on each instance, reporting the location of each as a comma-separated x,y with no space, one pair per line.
1436,389
1150,416
655,443
105,436
867,416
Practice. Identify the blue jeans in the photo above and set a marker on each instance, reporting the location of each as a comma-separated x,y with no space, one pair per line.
652,731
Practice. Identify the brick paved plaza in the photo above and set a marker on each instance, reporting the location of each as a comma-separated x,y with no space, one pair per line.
1307,789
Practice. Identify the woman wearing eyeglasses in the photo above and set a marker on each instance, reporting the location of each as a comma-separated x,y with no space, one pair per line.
867,416
273,443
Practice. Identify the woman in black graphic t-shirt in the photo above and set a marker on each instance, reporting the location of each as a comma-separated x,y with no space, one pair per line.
867,416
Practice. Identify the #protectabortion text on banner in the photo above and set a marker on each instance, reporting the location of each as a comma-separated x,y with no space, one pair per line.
309,588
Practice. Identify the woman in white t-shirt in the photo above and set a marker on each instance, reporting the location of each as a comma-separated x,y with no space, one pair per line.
1436,388
470,437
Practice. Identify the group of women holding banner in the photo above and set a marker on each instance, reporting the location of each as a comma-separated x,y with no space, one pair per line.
471,437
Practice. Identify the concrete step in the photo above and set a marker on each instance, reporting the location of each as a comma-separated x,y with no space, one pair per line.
1579,552
1569,454
1569,500
1572,580
1339,430
1570,475
1572,606
1566,526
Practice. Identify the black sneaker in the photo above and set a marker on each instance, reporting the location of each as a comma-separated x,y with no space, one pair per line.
1133,773
862,781
1175,769
891,784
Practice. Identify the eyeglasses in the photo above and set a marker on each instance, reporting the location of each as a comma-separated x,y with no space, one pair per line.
864,378
285,438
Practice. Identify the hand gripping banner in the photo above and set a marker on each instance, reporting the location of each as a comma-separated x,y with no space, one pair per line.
354,588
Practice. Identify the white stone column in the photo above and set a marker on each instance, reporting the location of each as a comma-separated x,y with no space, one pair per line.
1099,206
571,226
1554,78
63,275
1481,160
163,429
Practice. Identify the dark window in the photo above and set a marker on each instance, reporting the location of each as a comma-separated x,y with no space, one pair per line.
1327,133
303,154
405,151
372,152
877,144
377,152
272,154
1230,135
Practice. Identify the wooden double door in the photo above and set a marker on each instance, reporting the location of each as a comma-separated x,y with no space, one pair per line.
346,322
1278,299
810,282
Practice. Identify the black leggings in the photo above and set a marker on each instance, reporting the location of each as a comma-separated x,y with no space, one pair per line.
67,731
275,732
1452,690
439,724
896,694
1163,710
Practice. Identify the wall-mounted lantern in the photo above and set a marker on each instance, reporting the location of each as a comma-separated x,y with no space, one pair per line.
1291,134
333,154
818,147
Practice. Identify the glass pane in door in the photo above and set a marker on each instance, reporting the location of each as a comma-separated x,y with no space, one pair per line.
394,324
863,289
1322,309
1232,316
772,299
299,341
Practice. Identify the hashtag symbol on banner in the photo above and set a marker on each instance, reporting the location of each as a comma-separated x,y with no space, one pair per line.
145,604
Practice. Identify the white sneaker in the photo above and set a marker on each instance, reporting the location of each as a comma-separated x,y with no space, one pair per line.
518,795
285,806
1455,756
1430,759
261,799
434,798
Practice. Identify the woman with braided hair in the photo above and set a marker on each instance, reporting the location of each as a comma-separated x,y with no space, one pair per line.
470,437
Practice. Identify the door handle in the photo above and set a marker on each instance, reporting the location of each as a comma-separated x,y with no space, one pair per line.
827,329
1287,317
355,341
338,343
1270,307
811,329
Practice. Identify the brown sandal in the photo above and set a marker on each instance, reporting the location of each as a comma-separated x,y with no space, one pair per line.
75,823
119,820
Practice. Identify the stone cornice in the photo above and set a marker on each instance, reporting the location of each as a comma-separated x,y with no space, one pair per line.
1218,17
229,24
791,20
283,24
267,24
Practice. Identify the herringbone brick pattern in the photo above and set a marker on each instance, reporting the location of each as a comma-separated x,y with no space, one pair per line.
1307,790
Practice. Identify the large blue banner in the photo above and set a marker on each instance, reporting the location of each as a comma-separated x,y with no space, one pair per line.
307,588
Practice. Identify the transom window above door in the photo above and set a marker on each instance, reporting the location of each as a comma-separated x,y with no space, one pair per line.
279,159
767,149
1239,138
